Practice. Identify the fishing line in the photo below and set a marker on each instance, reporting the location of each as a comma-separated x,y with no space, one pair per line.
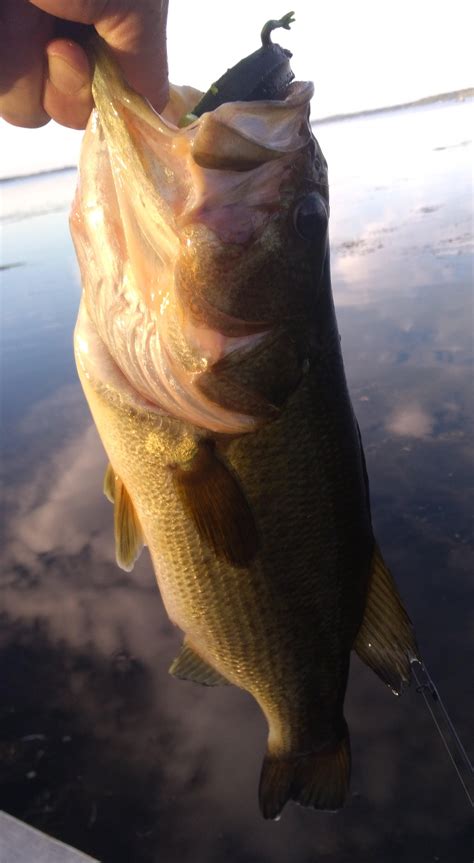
446,730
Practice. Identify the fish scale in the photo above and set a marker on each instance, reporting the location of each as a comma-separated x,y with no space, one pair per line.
189,581
250,488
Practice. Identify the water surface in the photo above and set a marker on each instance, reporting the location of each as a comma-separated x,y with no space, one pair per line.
98,745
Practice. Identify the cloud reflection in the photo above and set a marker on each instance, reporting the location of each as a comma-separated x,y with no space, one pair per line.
410,421
133,765
107,638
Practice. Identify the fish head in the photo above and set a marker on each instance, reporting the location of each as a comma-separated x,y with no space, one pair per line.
254,231
199,244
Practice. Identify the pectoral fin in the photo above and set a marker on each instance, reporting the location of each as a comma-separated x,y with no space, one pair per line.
217,505
386,641
127,529
189,666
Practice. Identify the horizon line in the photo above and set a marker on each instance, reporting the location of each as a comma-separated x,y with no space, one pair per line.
452,95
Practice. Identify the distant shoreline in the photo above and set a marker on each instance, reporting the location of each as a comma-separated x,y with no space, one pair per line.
453,96
62,170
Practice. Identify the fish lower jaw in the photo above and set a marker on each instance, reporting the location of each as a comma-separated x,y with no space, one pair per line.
98,366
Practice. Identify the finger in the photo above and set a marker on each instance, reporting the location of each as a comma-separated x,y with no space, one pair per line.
67,93
135,32
24,32
83,11
143,61
139,45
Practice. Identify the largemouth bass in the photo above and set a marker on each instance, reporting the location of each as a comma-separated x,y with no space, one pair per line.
208,350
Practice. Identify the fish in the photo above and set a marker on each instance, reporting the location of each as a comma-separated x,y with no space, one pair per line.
208,351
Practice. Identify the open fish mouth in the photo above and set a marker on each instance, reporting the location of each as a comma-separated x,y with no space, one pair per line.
154,202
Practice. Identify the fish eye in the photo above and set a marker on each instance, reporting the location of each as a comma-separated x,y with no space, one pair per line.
310,217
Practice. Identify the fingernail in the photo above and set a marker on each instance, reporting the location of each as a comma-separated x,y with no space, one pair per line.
64,77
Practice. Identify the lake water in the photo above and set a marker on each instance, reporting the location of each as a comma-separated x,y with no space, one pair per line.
98,745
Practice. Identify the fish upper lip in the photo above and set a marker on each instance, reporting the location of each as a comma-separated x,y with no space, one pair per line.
182,162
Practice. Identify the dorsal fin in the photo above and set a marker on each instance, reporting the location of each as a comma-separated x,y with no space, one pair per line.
189,666
386,641
217,505
127,529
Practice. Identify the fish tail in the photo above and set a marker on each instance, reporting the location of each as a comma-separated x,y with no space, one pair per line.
318,779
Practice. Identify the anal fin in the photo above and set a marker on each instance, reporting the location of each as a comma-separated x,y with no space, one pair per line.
109,483
386,640
214,500
189,666
129,539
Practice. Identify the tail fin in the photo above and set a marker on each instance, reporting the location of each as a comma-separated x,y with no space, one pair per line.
318,779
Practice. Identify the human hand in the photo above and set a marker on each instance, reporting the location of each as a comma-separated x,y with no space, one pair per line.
43,77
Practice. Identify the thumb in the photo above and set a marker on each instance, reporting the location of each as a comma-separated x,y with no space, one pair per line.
135,31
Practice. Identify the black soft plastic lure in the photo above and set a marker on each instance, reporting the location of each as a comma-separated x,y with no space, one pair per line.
265,74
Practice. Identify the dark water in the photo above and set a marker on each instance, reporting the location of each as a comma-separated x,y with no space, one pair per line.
98,745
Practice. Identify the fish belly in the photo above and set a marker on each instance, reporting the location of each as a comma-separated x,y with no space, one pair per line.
283,626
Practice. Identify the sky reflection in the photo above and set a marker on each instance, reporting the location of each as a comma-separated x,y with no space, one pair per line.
99,746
